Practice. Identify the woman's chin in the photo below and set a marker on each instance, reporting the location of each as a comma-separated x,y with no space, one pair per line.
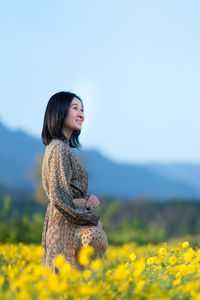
78,128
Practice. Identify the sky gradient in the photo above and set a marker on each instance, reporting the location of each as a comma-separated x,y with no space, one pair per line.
135,64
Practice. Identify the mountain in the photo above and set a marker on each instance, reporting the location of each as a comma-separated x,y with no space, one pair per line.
134,180
19,151
186,172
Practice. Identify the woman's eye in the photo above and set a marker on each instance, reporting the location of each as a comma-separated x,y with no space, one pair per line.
76,108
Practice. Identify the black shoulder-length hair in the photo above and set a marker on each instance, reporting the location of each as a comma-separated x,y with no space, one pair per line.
56,111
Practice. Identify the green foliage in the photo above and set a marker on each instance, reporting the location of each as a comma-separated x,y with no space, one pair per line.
28,229
141,222
135,231
7,204
19,229
110,211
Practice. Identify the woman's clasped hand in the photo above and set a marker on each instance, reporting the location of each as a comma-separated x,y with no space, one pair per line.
92,201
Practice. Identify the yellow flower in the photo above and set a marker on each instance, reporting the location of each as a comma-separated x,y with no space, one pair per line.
87,274
55,285
1,280
85,290
188,255
39,251
139,267
83,255
132,256
111,294
185,244
123,286
108,272
59,260
66,269
139,286
151,260
191,268
176,282
96,264
122,271
172,260
163,251
178,275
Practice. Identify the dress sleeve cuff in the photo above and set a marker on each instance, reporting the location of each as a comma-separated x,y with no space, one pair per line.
95,219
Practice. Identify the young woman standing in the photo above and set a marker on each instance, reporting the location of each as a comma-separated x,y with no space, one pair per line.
70,221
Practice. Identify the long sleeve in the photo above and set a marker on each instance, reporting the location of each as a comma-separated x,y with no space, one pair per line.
59,187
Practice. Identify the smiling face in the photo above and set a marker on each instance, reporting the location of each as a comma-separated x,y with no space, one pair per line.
74,119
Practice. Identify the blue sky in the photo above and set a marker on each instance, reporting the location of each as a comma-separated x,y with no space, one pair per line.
136,65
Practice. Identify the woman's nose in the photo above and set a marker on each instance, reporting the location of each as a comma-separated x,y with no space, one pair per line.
81,115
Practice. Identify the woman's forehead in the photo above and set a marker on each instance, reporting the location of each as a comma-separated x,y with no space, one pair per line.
76,101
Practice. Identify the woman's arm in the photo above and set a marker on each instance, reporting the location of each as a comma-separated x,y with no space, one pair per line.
59,188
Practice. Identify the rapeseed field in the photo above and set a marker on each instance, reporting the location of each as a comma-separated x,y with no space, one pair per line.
164,271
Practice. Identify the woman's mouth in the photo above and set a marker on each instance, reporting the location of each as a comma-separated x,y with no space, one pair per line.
78,121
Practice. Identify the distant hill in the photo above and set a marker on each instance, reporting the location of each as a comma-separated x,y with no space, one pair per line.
188,173
19,150
134,180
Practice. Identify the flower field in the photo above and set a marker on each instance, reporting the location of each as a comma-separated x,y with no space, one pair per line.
163,271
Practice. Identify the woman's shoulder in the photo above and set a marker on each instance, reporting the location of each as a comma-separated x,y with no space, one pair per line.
57,142
58,146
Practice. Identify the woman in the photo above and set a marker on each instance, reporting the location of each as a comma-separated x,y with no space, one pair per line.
70,222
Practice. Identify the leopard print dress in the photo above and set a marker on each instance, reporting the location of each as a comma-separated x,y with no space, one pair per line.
68,223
